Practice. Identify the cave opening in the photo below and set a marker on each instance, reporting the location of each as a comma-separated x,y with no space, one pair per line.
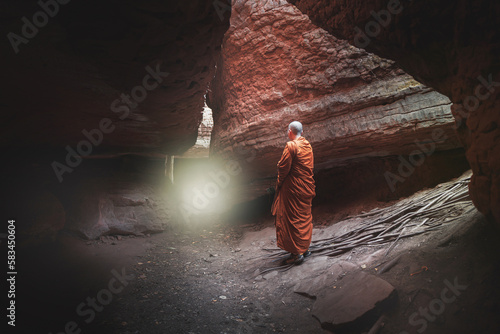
200,150
139,201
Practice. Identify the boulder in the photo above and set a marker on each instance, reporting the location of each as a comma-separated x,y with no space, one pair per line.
354,303
128,208
314,287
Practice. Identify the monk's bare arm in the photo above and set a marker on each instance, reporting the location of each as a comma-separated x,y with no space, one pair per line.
284,166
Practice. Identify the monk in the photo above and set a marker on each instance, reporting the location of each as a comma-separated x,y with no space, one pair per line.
295,190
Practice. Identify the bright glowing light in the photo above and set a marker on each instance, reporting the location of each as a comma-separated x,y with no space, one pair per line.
203,186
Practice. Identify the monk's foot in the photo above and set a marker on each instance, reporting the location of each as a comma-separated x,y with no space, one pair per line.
294,259
307,253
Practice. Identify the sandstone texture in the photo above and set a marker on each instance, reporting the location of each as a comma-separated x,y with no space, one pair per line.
125,209
202,146
277,67
449,46
353,303
347,300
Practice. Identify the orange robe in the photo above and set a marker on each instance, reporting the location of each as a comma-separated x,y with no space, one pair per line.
295,190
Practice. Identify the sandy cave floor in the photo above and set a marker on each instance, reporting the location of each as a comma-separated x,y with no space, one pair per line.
205,280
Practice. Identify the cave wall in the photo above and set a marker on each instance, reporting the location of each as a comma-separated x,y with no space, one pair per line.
86,84
144,66
125,195
276,66
451,46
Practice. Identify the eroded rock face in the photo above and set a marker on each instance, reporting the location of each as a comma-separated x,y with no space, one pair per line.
145,66
121,196
278,67
450,46
103,78
130,208
127,195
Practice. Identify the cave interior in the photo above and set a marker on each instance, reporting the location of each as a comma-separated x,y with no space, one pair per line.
143,136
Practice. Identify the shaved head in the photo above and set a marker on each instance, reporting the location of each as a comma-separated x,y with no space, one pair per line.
296,128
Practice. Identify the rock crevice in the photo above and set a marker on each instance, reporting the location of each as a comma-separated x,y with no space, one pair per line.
450,46
277,67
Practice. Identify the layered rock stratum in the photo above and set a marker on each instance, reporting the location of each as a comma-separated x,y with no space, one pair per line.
450,46
277,66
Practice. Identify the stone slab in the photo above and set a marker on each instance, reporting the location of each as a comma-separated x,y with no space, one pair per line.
355,301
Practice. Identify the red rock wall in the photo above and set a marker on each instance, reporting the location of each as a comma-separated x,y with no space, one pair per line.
278,67
451,46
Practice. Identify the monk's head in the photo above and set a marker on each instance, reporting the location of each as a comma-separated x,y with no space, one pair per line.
294,130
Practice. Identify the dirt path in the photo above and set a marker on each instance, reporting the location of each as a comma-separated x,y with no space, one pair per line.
206,280
198,282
